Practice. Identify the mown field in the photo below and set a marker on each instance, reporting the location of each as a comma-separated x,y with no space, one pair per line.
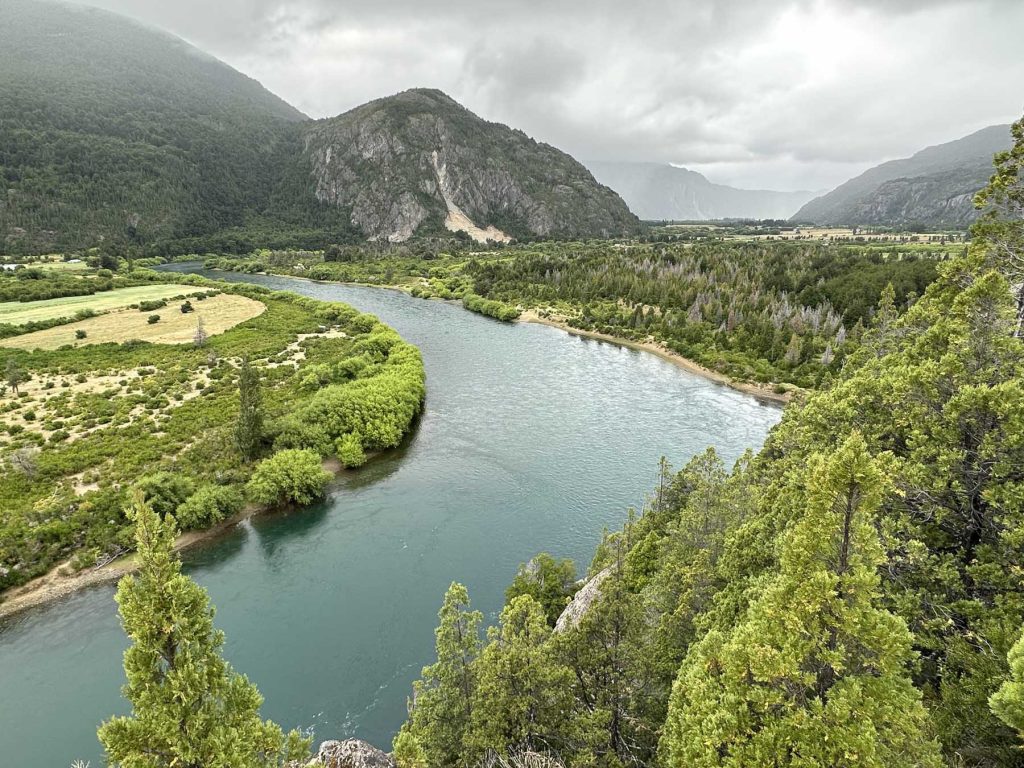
19,313
82,427
171,326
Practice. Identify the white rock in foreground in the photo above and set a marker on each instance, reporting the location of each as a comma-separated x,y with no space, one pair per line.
353,753
581,602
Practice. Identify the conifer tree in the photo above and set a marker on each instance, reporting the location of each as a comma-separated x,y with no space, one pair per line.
522,700
1001,229
815,674
249,428
611,672
1008,702
443,699
13,375
189,708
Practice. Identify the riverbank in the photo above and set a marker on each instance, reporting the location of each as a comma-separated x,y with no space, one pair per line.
763,392
60,581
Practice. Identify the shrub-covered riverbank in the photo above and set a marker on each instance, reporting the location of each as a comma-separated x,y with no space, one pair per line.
81,425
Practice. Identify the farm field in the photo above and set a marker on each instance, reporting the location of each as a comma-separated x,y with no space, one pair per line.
19,313
218,313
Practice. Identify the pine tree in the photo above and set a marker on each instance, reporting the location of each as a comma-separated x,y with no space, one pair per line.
13,375
611,672
189,708
522,700
815,674
443,698
1001,229
1008,702
249,428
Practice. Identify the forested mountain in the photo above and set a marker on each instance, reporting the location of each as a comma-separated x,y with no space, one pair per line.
110,129
419,161
934,187
657,192
113,131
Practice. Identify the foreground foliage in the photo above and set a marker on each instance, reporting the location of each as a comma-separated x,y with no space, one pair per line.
189,707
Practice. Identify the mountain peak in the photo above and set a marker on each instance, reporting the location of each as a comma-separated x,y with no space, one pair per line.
658,191
418,161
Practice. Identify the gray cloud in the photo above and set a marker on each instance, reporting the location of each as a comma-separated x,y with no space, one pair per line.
765,93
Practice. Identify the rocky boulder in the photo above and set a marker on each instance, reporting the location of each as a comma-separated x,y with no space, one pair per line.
353,753
581,602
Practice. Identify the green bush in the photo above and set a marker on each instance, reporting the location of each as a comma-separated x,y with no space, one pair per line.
496,309
153,319
350,450
292,475
209,505
149,306
166,491
80,333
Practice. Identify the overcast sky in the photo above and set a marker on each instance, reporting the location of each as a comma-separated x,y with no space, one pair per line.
777,94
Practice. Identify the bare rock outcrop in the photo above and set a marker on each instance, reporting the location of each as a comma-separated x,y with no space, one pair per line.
581,601
419,160
353,753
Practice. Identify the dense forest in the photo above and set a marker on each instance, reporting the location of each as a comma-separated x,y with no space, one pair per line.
851,596
125,134
764,311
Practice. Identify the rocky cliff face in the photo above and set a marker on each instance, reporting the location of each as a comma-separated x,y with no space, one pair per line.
419,161
934,187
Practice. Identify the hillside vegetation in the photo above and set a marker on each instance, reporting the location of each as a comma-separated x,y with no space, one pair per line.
116,134
112,130
933,188
851,596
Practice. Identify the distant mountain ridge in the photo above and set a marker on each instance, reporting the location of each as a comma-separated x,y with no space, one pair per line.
933,187
110,129
657,192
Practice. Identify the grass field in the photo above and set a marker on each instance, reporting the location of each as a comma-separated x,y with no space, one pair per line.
219,313
19,313
64,266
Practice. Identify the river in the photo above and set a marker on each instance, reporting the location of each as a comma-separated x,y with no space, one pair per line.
531,440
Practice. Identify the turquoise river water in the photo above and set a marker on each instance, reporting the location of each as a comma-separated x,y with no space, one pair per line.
531,440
